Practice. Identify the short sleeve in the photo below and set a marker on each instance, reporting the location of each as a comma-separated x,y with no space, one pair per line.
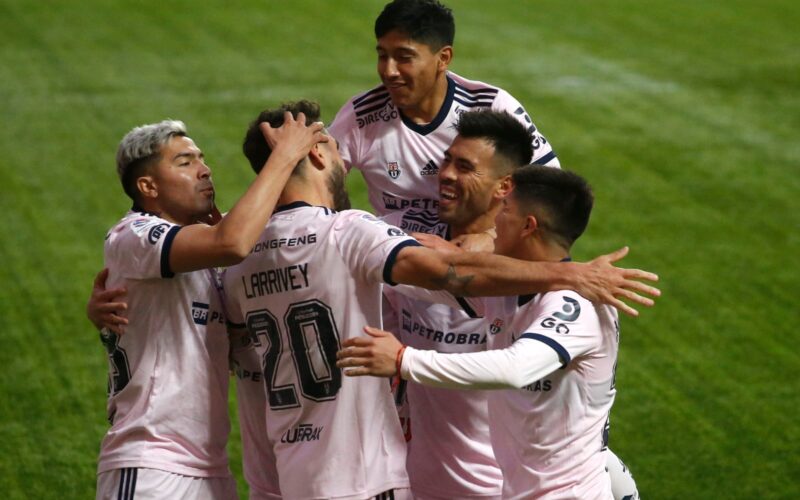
566,322
543,153
139,247
368,245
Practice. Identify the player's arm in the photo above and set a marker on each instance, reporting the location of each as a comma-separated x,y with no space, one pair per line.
481,274
199,246
381,354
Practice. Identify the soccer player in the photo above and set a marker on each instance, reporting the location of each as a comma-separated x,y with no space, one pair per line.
168,375
312,281
554,353
449,453
396,133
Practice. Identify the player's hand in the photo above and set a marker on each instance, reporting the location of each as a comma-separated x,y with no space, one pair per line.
375,354
104,309
293,139
478,242
435,242
601,281
211,218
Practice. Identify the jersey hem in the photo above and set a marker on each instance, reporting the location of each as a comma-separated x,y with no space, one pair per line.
166,467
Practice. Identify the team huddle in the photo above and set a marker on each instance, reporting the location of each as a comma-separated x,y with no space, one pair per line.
352,335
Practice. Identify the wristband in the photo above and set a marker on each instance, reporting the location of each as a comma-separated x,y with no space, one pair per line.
399,360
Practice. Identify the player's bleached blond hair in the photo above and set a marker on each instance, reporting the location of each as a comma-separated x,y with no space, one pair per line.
140,147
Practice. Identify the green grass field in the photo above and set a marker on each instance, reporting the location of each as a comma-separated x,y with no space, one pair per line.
684,115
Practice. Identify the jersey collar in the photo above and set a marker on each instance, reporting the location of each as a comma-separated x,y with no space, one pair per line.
291,206
443,112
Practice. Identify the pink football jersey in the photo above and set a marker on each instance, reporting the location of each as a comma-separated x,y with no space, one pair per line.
314,279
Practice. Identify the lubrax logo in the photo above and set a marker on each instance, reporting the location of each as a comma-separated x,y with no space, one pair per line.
200,313
303,432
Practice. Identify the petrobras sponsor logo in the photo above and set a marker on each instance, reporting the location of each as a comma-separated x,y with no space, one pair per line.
301,433
156,232
392,202
394,169
200,313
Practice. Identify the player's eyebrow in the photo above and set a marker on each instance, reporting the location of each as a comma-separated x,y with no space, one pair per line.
187,154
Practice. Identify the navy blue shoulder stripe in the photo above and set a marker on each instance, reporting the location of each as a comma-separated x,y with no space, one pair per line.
562,353
366,111
358,101
469,104
467,308
166,271
387,267
544,159
484,90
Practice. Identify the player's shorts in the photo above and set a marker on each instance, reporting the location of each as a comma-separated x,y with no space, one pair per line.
154,484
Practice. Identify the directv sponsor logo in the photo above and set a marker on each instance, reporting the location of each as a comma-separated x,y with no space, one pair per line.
200,313
430,168
382,115
156,232
303,432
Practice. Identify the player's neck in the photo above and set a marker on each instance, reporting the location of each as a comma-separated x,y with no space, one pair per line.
300,190
151,207
543,251
427,109
480,224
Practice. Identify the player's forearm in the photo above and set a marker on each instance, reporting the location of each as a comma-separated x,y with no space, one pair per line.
238,231
480,274
525,362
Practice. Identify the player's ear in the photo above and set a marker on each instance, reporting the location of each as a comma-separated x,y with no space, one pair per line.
147,186
531,225
317,157
504,187
444,56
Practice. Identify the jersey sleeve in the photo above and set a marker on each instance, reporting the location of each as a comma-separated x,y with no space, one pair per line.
543,153
523,363
368,245
138,248
567,323
344,129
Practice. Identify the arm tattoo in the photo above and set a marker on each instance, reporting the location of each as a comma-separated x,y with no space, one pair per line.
453,283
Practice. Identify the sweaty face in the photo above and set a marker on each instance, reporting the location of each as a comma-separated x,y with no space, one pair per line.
408,69
509,224
185,189
467,181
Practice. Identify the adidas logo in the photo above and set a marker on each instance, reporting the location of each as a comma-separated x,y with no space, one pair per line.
430,168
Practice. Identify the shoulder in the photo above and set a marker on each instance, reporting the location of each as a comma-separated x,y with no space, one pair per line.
363,109
473,93
139,225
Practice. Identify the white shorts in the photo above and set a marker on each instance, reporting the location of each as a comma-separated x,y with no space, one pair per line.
154,484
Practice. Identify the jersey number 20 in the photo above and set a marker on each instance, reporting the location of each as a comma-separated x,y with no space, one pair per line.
313,340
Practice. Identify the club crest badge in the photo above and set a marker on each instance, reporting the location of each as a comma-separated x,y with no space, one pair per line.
394,169
496,326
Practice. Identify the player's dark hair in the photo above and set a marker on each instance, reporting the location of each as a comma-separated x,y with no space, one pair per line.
424,21
560,200
510,138
255,147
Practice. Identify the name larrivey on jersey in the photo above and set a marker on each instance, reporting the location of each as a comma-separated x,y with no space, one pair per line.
278,280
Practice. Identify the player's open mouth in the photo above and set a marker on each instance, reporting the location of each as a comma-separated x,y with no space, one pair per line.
447,194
